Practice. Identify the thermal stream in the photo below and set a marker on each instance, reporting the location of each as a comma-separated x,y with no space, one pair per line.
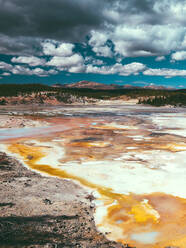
135,167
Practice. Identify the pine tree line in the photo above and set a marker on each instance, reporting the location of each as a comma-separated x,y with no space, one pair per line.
174,99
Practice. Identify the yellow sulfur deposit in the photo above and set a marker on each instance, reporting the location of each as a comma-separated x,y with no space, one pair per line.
143,212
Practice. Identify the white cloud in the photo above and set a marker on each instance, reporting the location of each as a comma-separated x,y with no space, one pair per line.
98,43
39,72
160,58
165,72
155,27
54,48
77,69
134,37
91,60
133,68
97,62
123,70
21,70
104,51
143,34
97,70
31,61
52,72
183,45
4,66
61,57
97,38
176,10
181,55
63,63
146,40
6,74
42,73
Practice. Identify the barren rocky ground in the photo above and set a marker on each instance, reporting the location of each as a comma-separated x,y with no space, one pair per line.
37,211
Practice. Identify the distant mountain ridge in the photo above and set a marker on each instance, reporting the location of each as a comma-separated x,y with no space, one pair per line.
101,86
88,85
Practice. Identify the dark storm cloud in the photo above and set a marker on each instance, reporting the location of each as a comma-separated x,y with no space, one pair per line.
67,19
24,24
56,19
147,11
135,6
20,45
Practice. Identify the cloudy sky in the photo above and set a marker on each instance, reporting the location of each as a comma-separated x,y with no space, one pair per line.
138,42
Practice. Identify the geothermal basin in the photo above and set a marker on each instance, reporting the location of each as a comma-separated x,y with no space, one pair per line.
131,159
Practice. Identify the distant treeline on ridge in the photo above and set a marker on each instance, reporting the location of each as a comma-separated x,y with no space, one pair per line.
146,96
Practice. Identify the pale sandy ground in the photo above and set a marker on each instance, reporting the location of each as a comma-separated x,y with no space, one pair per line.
119,102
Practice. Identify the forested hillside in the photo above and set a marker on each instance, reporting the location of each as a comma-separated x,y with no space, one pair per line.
68,95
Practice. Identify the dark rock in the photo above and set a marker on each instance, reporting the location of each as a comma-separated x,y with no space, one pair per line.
8,204
47,201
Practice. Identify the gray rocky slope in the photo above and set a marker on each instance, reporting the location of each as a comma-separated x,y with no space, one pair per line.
39,211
